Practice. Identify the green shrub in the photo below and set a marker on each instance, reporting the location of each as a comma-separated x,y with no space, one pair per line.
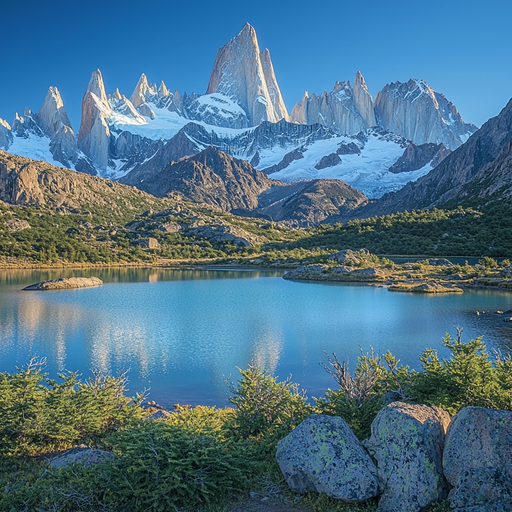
467,378
265,406
360,397
38,414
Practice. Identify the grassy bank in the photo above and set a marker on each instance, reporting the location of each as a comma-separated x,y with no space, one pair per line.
205,458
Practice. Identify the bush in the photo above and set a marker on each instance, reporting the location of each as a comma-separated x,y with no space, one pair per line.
467,378
265,406
360,397
39,414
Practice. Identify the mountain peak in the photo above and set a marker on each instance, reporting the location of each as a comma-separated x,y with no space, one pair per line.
53,113
96,86
246,75
138,96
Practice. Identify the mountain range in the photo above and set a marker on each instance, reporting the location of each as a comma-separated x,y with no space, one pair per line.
375,146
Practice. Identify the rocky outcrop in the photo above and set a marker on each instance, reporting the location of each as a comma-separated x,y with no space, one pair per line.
407,445
94,134
323,455
345,110
244,74
81,455
66,283
328,161
415,157
15,225
27,182
418,113
478,438
225,233
349,257
296,154
337,273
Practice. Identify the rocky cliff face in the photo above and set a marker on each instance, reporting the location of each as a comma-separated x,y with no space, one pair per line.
244,74
415,157
418,113
346,110
94,133
484,154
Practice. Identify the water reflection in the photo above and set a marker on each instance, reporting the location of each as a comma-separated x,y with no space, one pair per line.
180,331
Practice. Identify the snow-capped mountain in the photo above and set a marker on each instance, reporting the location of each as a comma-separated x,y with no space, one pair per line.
418,113
335,135
346,110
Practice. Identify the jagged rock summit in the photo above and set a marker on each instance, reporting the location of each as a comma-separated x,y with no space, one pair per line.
244,74
347,110
94,133
418,113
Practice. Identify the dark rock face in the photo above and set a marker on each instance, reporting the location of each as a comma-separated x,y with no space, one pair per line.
455,174
328,161
211,177
415,157
348,149
290,157
215,178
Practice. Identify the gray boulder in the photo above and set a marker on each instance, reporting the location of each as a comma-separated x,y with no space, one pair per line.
478,438
482,490
81,455
322,454
407,444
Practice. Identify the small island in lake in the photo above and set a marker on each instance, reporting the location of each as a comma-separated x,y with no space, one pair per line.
68,283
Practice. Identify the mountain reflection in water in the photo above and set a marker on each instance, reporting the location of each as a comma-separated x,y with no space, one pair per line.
179,332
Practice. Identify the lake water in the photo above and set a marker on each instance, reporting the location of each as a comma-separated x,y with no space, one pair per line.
180,331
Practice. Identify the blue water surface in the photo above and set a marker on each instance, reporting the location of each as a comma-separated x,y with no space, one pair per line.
180,333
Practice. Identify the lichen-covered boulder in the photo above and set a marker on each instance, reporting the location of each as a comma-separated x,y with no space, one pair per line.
478,438
407,445
81,455
322,454
482,490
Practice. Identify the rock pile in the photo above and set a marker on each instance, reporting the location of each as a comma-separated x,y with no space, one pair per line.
412,458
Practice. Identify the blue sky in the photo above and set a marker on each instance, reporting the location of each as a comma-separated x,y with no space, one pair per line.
461,48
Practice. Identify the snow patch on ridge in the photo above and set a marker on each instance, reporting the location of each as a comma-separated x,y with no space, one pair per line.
368,171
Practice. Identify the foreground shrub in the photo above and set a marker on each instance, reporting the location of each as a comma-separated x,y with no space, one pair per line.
361,396
265,406
467,378
39,415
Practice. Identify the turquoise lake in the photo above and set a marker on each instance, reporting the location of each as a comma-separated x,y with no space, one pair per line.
179,332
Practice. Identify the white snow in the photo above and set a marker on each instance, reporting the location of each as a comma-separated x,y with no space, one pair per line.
367,172
37,148
223,103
